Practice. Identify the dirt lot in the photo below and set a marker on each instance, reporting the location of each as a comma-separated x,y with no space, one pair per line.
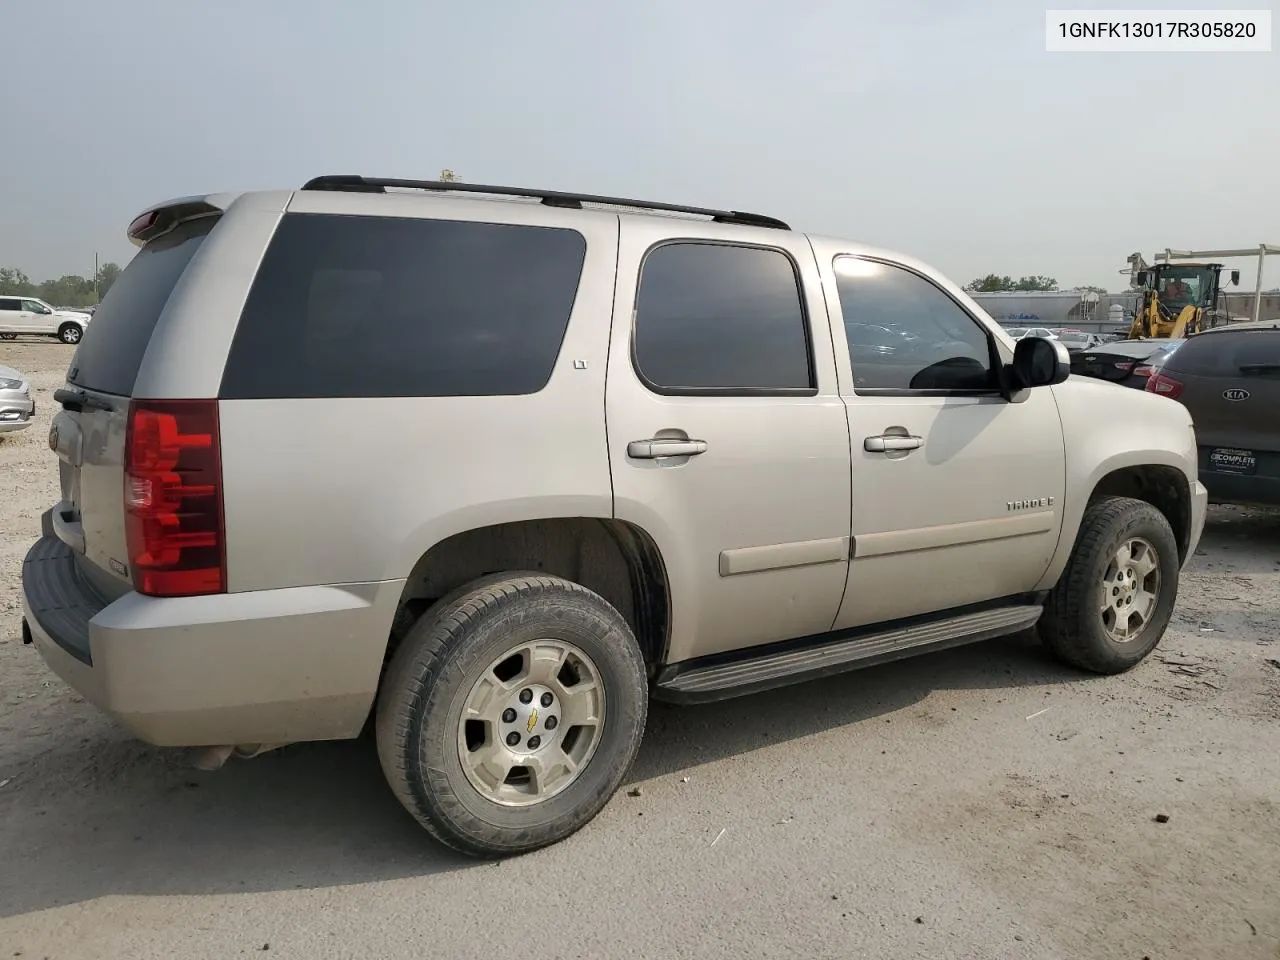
979,803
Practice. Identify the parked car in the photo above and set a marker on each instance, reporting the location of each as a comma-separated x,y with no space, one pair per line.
1127,362
492,474
32,316
1076,340
1229,379
16,406
1019,333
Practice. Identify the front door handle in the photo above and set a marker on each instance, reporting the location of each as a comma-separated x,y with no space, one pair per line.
664,447
886,442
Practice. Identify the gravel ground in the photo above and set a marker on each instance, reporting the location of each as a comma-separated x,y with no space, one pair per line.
978,803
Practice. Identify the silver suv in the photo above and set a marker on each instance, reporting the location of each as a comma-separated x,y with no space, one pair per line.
487,468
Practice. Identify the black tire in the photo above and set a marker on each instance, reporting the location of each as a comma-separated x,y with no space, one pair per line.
431,674
8,336
70,333
1072,625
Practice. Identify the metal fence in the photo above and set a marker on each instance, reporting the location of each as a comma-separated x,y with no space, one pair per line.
1110,313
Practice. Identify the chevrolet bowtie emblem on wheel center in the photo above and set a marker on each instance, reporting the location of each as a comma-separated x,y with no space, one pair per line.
533,720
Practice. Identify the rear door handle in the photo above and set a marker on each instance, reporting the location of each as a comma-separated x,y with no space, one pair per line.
886,442
662,447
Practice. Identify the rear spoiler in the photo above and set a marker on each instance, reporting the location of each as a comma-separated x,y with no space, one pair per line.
158,220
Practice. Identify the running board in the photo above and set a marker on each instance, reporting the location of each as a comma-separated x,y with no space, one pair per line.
699,681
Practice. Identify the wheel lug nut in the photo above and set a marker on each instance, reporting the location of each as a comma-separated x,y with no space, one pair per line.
509,715
535,743
526,695
546,700
513,739
550,722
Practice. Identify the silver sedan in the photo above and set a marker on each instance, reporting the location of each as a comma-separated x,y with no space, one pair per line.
16,406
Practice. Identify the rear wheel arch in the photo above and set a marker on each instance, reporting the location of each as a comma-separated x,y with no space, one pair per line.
617,560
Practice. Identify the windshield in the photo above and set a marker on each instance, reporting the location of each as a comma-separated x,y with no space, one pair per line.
1179,286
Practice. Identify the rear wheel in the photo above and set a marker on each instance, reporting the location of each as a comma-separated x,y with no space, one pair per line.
511,712
1116,596
8,336
70,333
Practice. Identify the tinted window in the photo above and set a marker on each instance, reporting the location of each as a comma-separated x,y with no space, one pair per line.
110,353
10,304
934,344
1229,354
346,306
714,317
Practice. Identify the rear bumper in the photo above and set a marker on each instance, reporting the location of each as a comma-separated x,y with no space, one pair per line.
1228,488
275,666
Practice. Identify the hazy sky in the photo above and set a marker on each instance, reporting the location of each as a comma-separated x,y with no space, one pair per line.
940,128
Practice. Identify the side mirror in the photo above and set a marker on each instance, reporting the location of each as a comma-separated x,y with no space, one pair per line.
1141,279
1038,362
1235,278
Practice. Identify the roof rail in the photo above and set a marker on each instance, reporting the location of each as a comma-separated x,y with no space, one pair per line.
551,198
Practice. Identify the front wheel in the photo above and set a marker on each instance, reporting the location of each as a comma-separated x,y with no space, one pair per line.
1116,596
511,712
70,333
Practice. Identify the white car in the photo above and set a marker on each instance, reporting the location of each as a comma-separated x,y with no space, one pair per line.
1043,332
32,316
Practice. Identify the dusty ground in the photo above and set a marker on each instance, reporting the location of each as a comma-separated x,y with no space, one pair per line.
980,803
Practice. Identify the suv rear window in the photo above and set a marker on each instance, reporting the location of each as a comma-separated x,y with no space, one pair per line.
1229,354
356,306
110,353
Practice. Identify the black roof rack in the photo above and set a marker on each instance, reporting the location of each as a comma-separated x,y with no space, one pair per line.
551,198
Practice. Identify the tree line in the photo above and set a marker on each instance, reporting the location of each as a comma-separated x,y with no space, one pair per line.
994,283
69,290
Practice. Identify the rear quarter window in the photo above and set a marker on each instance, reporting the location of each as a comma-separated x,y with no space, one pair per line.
354,306
1229,354
109,355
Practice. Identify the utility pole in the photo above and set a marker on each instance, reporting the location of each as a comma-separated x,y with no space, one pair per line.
96,298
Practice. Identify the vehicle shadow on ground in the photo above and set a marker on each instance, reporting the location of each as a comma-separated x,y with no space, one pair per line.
106,816
1245,539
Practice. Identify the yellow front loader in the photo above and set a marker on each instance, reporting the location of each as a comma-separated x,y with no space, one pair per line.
1174,298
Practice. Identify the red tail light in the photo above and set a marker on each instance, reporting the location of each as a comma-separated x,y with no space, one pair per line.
173,498
1142,371
1165,386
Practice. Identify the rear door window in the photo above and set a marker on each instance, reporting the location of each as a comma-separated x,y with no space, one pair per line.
110,353
1229,354
354,306
720,318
